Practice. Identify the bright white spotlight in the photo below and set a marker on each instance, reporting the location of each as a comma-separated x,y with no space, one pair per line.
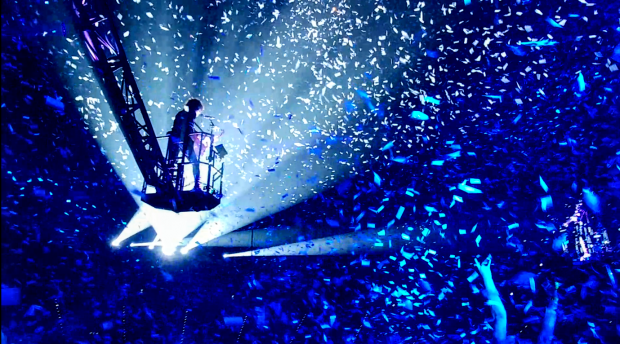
116,243
168,250
151,247
348,243
184,250
240,254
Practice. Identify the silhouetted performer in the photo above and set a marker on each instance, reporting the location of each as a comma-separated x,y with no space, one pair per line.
181,138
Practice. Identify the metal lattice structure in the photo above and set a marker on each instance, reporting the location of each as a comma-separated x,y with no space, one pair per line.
100,38
94,23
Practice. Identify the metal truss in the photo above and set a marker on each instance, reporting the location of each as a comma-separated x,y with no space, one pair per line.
94,23
98,34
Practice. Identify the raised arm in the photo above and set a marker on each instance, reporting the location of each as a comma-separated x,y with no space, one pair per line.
494,300
548,325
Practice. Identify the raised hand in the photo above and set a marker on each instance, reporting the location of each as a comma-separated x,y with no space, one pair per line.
485,267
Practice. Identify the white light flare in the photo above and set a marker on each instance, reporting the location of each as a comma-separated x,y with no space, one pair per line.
349,243
137,224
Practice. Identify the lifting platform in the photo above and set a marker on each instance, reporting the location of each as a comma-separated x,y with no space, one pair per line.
164,185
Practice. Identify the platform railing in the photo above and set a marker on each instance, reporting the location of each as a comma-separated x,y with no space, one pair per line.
211,175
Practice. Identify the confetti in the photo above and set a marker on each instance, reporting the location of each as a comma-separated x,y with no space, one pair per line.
468,189
314,96
419,116
543,185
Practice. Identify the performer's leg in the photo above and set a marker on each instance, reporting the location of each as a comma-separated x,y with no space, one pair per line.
173,151
191,155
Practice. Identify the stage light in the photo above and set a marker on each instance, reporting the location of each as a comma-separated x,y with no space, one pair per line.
168,250
184,251
240,254
349,243
116,243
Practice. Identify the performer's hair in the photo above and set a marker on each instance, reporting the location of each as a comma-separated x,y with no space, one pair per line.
194,104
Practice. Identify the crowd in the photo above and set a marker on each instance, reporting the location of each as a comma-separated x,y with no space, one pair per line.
491,267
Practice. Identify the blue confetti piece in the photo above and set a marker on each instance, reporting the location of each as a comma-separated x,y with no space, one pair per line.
400,159
432,53
405,236
541,43
332,223
437,163
381,233
546,203
214,77
474,181
432,100
419,116
581,82
543,184
478,238
493,97
430,209
388,146
400,212
377,179
366,323
406,254
554,23
454,155
513,226
55,103
517,50
467,2
469,189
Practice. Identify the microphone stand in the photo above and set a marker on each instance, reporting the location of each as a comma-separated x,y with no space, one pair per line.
210,118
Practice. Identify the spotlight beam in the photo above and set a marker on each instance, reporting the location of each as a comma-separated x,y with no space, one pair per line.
349,243
307,128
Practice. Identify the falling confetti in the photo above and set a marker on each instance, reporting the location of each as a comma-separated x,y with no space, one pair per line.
314,96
